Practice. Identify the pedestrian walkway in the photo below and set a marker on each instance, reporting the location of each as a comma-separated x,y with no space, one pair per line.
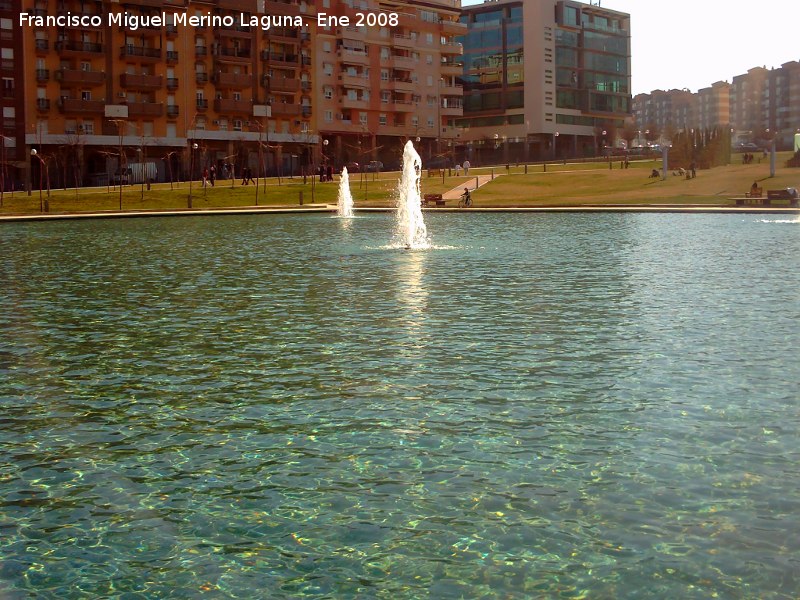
455,193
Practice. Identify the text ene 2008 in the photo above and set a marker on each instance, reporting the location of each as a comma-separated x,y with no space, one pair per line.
381,19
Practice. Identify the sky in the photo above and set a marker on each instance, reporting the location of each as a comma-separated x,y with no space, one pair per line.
694,43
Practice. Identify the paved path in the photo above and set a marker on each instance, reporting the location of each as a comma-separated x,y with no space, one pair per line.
455,193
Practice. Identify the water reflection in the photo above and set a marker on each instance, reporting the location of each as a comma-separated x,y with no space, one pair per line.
411,287
549,406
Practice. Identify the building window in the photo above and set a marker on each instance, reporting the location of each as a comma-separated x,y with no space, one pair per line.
382,119
328,116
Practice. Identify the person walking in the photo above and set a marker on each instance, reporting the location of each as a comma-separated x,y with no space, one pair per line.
466,166
212,175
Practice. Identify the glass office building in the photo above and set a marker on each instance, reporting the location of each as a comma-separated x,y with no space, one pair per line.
543,79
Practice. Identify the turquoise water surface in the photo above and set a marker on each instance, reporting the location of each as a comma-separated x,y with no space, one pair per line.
541,406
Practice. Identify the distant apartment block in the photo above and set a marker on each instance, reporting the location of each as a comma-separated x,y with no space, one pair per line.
157,92
379,86
760,104
277,100
12,100
664,112
543,79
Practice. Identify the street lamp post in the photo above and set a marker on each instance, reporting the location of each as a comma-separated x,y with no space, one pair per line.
192,148
44,206
555,140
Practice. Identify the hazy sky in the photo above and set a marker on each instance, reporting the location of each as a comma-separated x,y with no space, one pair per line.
694,43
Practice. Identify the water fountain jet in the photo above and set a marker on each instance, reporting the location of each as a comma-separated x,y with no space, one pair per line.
410,231
345,198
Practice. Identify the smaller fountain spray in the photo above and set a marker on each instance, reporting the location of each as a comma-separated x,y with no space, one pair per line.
410,230
345,200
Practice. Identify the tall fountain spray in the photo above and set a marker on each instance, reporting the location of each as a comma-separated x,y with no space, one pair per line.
345,204
410,231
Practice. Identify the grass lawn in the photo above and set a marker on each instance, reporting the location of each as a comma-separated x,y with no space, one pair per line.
573,184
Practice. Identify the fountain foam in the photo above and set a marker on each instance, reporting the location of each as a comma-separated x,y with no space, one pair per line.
345,200
410,231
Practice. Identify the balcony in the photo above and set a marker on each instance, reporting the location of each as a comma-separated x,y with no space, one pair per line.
452,107
273,7
404,41
400,85
152,3
140,52
200,51
201,78
141,82
452,68
201,104
353,57
235,31
145,109
401,61
78,77
402,106
280,60
280,109
284,35
351,32
284,85
73,48
354,103
452,49
229,106
233,80
171,30
233,54
453,27
79,106
42,45
172,111
247,6
42,75
172,83
172,57
142,30
354,81
451,90
42,104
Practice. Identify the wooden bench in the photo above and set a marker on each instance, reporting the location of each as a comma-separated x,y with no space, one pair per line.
432,200
434,172
784,194
755,193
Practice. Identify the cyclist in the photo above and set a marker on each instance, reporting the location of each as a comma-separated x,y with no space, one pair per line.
466,198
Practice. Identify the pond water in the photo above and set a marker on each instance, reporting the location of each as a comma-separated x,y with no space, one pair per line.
559,405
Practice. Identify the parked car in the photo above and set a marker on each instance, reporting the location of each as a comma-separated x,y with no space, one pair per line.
747,147
374,166
353,167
